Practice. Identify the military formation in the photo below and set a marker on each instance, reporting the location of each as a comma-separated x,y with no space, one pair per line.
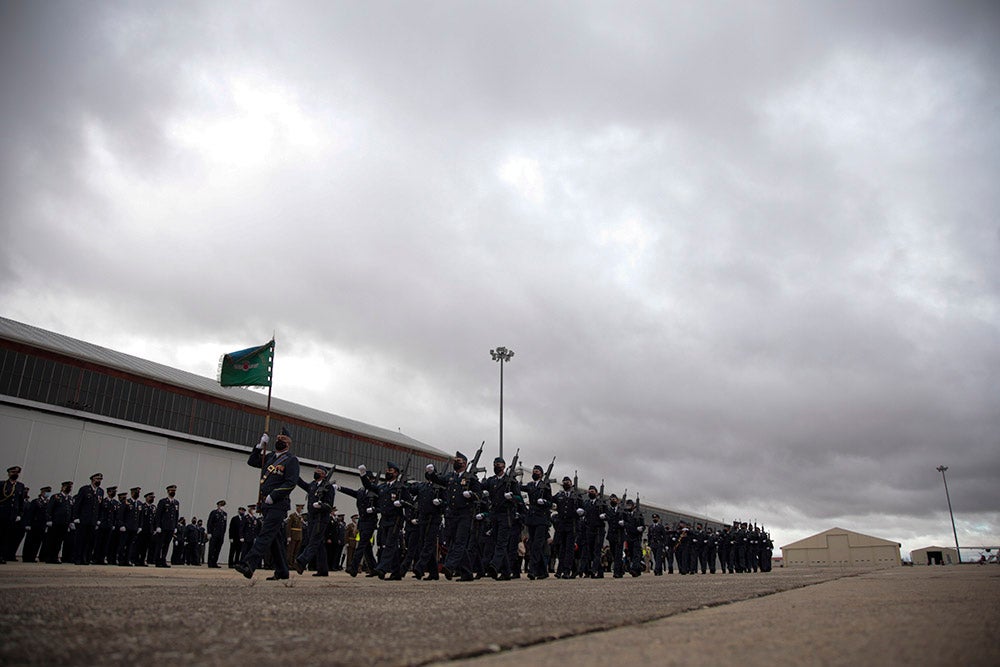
451,524
456,525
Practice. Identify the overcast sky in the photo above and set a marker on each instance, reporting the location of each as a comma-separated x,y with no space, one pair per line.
747,254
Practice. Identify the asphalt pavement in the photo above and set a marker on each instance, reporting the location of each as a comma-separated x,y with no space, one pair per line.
108,615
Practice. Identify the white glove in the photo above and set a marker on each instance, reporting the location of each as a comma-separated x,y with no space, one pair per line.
413,521
17,518
397,503
579,511
98,523
122,529
159,530
241,539
263,440
333,485
621,523
72,526
317,505
268,500
642,528
362,469
429,467
76,521
48,524
508,495
370,510
479,517
436,502
288,541
603,515
138,531
27,527
466,494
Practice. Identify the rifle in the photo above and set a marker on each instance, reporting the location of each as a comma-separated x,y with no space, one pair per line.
576,484
548,473
475,460
511,470
600,494
406,468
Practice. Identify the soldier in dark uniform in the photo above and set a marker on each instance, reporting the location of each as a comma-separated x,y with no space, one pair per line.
192,543
128,512
165,520
502,510
429,508
367,521
116,519
13,497
740,540
635,526
279,475
34,525
249,530
216,530
177,541
725,550
567,503
682,548
102,530
234,535
766,551
658,544
339,529
699,557
613,515
392,495
462,487
711,548
144,546
592,543
319,499
58,519
86,513
537,520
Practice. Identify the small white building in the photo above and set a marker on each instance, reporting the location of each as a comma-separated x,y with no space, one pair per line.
838,547
934,556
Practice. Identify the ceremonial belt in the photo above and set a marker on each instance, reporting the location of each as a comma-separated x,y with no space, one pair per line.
272,468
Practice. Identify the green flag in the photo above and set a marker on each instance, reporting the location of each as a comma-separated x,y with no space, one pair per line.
247,368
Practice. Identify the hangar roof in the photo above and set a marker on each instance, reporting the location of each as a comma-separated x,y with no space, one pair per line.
54,342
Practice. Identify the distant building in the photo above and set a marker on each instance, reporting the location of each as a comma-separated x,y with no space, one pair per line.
934,556
837,547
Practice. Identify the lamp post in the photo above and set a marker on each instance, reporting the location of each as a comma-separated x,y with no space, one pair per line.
941,470
502,355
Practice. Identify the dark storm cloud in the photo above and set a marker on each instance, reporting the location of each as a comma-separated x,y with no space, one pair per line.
747,255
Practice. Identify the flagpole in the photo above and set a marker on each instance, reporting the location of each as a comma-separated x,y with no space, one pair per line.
267,427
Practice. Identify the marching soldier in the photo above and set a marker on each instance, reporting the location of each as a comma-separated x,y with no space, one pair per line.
658,543
280,473
462,488
698,547
367,521
538,521
616,535
568,509
593,531
429,508
319,497
392,496
635,526
498,565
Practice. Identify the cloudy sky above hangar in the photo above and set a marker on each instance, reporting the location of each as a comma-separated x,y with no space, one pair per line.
748,255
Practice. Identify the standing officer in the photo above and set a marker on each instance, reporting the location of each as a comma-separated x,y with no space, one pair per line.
165,520
86,513
34,525
103,529
143,546
216,532
130,514
13,496
295,524
279,475
319,497
58,520
461,489
235,524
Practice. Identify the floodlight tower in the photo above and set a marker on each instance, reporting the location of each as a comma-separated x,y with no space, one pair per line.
501,355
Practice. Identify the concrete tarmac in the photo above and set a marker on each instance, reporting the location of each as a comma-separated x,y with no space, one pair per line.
106,615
